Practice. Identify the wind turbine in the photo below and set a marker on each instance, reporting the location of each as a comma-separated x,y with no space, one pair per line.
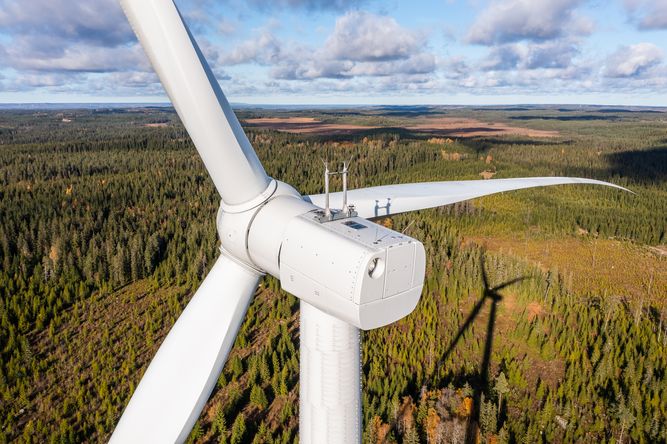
349,273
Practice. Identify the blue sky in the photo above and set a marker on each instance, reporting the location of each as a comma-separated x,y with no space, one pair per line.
351,51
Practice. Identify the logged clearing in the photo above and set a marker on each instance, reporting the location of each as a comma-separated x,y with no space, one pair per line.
457,127
108,342
305,125
281,120
596,266
96,351
444,126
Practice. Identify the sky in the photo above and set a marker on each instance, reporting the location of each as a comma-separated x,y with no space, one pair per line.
350,51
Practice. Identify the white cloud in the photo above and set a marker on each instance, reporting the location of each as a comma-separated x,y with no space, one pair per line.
226,27
312,68
533,46
79,58
362,36
647,14
361,45
633,60
264,50
40,80
454,67
526,81
507,21
59,35
98,22
486,81
555,54
309,5
61,45
420,63
135,79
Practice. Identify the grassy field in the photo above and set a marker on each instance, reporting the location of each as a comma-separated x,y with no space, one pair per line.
591,266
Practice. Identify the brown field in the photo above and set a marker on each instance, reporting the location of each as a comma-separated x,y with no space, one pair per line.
444,126
156,125
281,120
594,266
458,127
305,125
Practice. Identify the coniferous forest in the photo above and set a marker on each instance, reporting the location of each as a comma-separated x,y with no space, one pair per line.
543,316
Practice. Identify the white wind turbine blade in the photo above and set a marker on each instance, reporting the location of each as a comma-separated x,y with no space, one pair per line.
179,380
223,146
393,199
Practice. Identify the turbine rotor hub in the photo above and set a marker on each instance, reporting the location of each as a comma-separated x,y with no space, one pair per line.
235,224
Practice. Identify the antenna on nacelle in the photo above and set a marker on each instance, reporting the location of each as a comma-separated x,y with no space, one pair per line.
344,173
327,208
330,214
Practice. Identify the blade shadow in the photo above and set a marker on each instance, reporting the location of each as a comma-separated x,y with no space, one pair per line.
483,387
493,294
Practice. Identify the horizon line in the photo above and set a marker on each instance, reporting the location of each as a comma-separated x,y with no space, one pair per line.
167,104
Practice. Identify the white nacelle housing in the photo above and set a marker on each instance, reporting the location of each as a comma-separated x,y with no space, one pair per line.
351,268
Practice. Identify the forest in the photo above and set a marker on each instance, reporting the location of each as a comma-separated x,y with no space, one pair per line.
543,316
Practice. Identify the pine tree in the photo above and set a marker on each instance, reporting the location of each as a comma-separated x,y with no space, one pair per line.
624,416
236,367
220,424
488,416
501,388
411,437
195,433
258,397
238,429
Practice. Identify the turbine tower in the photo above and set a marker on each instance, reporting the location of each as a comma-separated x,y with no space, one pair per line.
348,272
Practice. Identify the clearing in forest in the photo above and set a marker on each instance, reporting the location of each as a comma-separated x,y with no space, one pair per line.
591,266
445,126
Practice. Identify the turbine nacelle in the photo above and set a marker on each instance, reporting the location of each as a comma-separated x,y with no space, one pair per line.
353,269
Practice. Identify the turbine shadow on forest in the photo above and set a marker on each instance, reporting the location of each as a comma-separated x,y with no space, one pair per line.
491,293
